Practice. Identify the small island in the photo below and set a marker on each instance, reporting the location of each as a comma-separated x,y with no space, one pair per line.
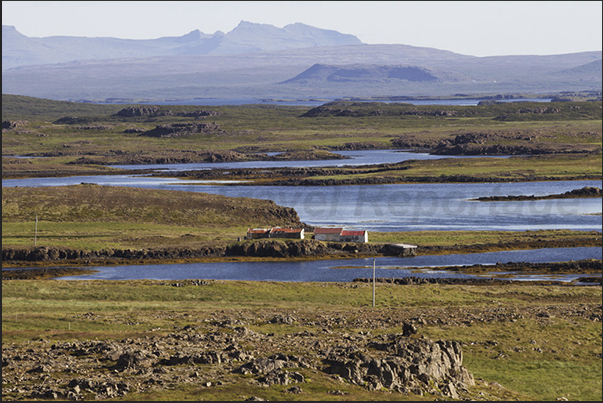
587,191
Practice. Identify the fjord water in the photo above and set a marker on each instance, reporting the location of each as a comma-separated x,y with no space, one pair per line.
345,269
418,207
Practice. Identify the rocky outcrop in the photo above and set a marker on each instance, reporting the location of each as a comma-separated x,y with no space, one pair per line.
13,124
312,155
225,156
198,114
409,366
73,120
133,111
366,109
155,111
364,145
183,129
498,143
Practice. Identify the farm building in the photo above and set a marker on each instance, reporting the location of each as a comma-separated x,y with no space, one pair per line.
328,234
340,235
256,233
287,233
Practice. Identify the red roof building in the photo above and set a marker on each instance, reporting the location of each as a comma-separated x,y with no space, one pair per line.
339,235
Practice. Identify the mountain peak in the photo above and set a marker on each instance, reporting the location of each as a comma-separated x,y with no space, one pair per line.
248,24
193,35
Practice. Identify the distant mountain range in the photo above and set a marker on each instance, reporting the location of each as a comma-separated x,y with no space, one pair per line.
20,50
263,61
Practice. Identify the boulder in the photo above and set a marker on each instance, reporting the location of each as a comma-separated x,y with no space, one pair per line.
411,364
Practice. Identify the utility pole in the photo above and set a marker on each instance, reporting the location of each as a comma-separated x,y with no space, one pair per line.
36,232
374,282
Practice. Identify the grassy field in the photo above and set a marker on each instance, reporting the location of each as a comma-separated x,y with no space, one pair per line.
520,342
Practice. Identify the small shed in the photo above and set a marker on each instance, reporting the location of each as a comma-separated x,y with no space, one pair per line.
287,233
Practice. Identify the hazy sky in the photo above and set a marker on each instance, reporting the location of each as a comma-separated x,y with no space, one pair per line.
478,28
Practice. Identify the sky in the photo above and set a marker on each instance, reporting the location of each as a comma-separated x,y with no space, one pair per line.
476,28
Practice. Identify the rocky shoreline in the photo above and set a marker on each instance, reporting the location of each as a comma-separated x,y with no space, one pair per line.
268,249
261,249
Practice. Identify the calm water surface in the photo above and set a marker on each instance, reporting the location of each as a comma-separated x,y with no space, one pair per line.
345,270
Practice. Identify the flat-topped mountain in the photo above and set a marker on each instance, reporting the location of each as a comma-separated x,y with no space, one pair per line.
361,72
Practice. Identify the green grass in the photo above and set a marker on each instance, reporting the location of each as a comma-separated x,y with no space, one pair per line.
551,360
